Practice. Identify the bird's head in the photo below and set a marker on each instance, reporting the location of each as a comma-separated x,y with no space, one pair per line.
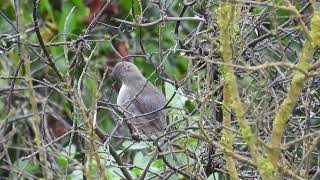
128,73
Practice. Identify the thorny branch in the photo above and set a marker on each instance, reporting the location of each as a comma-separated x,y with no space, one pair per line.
241,79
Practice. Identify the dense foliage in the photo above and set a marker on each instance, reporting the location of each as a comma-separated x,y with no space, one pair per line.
241,79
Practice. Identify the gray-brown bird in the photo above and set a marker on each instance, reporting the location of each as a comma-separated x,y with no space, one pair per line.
138,97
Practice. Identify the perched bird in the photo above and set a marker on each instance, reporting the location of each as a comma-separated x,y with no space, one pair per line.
138,97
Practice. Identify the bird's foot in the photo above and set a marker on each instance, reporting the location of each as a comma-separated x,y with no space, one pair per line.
136,136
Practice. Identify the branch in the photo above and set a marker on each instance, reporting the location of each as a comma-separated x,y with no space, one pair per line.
227,20
115,155
294,90
164,19
40,39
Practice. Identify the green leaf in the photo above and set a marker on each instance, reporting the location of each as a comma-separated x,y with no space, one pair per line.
136,171
178,100
141,160
114,173
62,161
76,174
73,150
189,106
74,24
135,146
45,5
248,81
26,165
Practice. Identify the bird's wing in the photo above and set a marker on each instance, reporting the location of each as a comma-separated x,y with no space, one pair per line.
149,100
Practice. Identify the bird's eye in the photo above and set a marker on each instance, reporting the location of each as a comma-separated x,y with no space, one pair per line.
127,68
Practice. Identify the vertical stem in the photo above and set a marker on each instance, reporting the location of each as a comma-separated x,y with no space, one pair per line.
89,122
297,83
227,135
161,68
33,101
228,13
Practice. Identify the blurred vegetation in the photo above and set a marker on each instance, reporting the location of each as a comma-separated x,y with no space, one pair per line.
242,78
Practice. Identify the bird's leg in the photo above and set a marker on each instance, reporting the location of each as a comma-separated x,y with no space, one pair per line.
134,132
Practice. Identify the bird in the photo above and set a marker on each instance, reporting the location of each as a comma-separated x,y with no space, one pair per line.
143,105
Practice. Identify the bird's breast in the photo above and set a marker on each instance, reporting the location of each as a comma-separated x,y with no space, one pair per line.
123,95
